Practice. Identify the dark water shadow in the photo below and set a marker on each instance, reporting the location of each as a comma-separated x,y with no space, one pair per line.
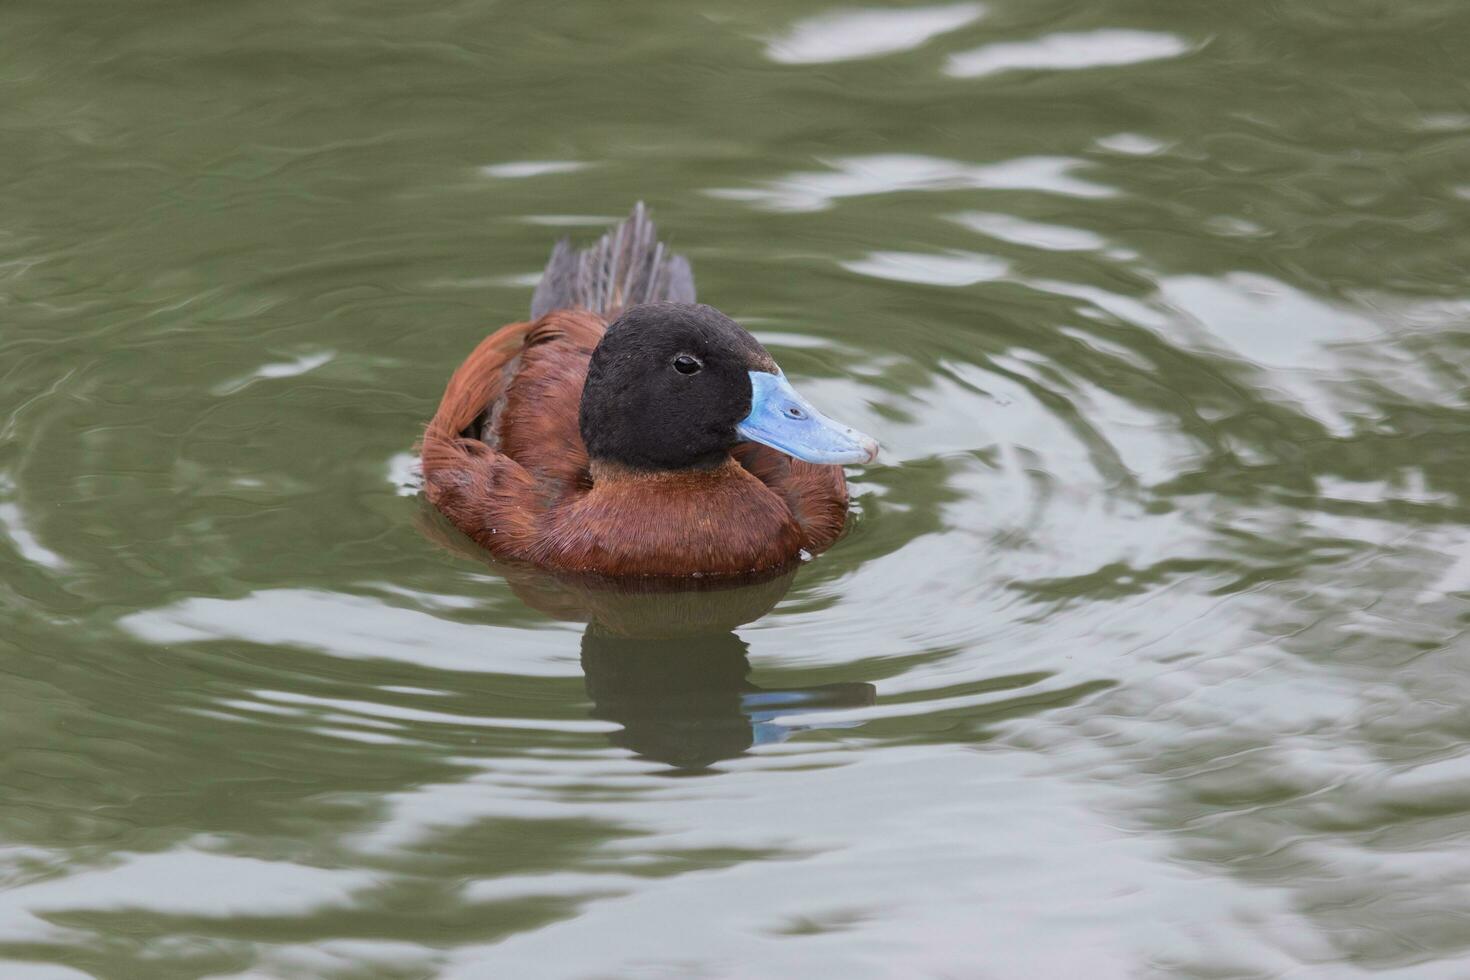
662,660
686,701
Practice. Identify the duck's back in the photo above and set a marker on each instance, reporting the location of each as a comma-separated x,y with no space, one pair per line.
504,460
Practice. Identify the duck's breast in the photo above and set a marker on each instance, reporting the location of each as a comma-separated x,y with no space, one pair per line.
720,522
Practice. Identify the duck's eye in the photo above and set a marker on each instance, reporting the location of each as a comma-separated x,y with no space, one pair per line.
687,364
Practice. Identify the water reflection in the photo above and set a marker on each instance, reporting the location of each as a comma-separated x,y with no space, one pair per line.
849,35
1166,583
1067,51
686,700
863,176
661,659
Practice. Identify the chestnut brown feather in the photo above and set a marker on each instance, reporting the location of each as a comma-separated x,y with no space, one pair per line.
529,494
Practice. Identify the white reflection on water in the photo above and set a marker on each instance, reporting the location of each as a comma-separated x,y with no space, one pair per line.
517,169
179,882
1036,234
396,715
1067,51
1131,144
277,369
13,524
895,172
955,269
405,473
1265,320
16,970
349,626
1297,340
845,35
933,866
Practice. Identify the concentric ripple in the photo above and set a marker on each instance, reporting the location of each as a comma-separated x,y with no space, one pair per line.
1144,655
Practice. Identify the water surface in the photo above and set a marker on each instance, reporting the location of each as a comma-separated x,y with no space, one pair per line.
1146,654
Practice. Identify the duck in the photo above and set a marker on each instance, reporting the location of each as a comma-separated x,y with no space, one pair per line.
627,431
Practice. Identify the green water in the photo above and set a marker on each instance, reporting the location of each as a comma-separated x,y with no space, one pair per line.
1147,653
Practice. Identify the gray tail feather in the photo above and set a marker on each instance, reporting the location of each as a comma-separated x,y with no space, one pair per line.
628,266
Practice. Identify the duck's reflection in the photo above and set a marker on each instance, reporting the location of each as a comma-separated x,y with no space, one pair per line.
662,662
686,700
662,659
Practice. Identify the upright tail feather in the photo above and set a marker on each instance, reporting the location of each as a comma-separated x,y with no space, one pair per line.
627,266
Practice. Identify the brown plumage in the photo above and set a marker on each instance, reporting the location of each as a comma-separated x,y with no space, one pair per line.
505,460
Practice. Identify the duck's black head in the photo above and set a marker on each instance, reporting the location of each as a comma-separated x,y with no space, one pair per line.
675,385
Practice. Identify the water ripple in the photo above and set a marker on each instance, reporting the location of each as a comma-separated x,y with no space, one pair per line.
896,173
848,35
1142,656
1067,52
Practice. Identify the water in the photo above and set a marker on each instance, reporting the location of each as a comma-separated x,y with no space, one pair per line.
1146,655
